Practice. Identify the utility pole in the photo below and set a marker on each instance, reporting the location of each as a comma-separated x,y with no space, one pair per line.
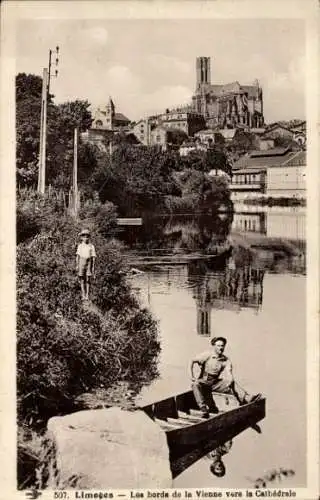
75,174
43,120
43,134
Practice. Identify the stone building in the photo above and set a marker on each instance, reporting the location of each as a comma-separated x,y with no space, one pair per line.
226,105
106,118
159,137
142,131
185,119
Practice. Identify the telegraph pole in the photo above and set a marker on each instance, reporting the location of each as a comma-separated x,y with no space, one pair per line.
75,174
43,120
43,133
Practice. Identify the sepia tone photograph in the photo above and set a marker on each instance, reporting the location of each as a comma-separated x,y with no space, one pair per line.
161,254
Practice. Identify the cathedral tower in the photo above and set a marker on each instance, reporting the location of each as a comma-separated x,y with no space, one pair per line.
110,113
203,71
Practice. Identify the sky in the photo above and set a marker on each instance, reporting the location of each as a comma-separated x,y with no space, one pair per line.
147,66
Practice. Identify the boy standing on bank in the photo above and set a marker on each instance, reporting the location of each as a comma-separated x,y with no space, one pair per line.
85,262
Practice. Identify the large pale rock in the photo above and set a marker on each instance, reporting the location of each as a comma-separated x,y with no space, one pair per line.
109,448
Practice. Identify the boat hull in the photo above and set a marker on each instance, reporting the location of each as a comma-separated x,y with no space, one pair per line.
188,444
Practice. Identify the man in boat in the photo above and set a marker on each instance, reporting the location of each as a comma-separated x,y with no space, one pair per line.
215,376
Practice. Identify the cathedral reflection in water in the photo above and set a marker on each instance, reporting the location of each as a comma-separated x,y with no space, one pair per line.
231,288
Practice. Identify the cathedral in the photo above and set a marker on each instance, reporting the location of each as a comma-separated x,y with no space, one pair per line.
226,105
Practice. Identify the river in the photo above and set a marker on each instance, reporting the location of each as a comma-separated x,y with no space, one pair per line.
263,320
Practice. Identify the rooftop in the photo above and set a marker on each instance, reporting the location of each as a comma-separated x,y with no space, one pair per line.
206,131
269,152
271,158
121,117
233,87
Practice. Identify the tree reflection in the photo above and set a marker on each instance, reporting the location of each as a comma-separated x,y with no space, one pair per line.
237,285
178,234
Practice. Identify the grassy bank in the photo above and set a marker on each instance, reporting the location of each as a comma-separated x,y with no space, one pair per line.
63,348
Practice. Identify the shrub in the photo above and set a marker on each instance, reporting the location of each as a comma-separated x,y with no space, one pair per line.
64,349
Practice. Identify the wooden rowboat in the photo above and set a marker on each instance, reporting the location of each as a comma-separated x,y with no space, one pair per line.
190,436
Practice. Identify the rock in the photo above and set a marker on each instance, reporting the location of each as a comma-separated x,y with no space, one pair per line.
109,448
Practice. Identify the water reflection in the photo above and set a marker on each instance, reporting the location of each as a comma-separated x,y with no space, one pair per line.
250,222
274,222
255,234
217,467
234,287
177,234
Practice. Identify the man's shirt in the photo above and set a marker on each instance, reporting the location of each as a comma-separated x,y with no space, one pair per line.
212,363
86,250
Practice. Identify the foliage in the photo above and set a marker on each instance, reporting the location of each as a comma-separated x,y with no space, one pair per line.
61,121
135,179
202,192
286,142
205,161
241,143
64,349
140,180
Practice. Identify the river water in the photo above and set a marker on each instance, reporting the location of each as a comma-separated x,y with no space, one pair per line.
263,318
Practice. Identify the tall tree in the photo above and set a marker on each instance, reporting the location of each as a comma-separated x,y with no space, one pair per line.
61,121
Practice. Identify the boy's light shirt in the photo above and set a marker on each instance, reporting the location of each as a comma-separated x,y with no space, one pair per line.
86,250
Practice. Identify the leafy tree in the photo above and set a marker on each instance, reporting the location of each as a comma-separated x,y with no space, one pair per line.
285,142
28,111
241,143
205,161
61,121
136,179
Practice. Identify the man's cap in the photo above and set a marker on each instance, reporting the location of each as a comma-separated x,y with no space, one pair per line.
85,232
216,339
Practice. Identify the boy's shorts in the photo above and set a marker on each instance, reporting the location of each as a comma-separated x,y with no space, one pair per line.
84,268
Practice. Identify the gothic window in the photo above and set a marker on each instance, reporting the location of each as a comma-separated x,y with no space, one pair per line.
99,123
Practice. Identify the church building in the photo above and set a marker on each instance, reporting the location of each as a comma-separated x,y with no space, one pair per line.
106,118
226,105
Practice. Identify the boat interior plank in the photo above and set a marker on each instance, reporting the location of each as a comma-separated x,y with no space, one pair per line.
166,425
190,418
166,408
179,422
186,401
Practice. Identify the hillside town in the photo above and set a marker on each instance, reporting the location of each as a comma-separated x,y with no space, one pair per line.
268,159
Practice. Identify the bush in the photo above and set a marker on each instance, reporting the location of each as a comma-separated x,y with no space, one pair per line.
64,349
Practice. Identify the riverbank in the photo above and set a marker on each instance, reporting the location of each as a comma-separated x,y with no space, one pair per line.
63,348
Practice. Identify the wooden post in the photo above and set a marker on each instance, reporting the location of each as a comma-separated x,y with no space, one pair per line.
75,174
43,134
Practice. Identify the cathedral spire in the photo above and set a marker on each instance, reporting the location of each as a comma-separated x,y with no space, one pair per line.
111,104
